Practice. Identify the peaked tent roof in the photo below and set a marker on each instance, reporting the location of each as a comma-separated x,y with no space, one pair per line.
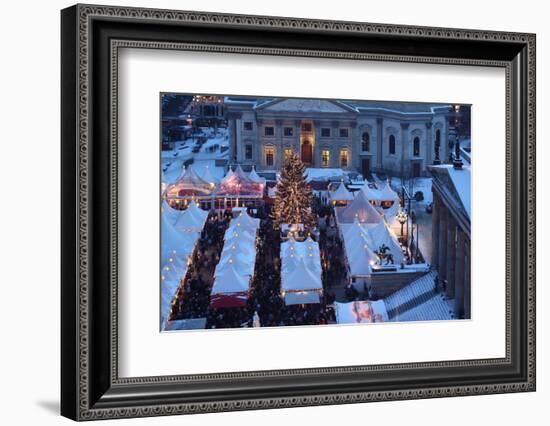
189,183
209,177
230,282
301,278
170,213
387,193
341,194
192,219
371,194
361,209
254,177
174,242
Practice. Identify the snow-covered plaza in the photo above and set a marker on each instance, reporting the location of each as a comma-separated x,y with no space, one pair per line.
244,245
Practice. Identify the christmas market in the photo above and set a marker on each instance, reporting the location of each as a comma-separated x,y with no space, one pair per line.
283,240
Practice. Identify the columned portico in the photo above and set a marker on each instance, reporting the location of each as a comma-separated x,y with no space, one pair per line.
442,245
451,257
435,231
459,275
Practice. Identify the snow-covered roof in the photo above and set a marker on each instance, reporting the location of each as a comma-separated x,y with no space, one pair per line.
306,106
189,184
386,193
170,213
301,278
341,194
254,177
458,182
361,209
231,281
191,219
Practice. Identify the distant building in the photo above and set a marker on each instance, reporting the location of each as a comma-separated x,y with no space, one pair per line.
451,233
395,138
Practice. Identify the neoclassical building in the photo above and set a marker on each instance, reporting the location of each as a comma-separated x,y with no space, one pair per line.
451,235
395,138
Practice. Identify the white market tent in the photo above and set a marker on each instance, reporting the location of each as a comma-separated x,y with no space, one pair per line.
361,312
371,194
192,219
387,193
209,177
301,270
231,281
176,247
237,262
169,212
341,194
254,177
361,209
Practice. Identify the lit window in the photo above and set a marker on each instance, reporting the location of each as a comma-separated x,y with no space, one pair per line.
365,139
248,152
344,158
288,131
269,155
325,157
306,127
269,131
325,132
344,132
392,144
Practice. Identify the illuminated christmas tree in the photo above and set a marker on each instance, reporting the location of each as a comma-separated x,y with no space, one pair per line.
294,196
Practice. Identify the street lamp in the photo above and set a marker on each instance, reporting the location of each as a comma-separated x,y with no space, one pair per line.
402,218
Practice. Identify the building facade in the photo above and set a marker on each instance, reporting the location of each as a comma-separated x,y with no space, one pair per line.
394,138
451,233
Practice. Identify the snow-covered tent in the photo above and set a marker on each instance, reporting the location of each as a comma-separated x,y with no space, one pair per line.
301,284
301,271
209,177
238,184
175,243
361,209
230,289
359,254
192,219
341,195
189,185
176,247
371,194
360,312
169,212
386,193
238,257
254,177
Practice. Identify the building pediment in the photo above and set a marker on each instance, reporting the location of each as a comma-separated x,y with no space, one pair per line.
317,106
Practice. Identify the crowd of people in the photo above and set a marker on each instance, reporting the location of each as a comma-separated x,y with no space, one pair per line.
265,303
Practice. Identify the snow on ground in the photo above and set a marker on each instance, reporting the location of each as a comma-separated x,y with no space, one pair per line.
172,161
423,184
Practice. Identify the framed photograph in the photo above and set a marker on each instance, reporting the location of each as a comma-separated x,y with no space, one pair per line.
263,212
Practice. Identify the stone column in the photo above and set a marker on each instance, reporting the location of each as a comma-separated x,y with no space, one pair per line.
435,230
442,245
379,144
429,144
467,275
239,140
459,275
354,147
451,257
405,149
